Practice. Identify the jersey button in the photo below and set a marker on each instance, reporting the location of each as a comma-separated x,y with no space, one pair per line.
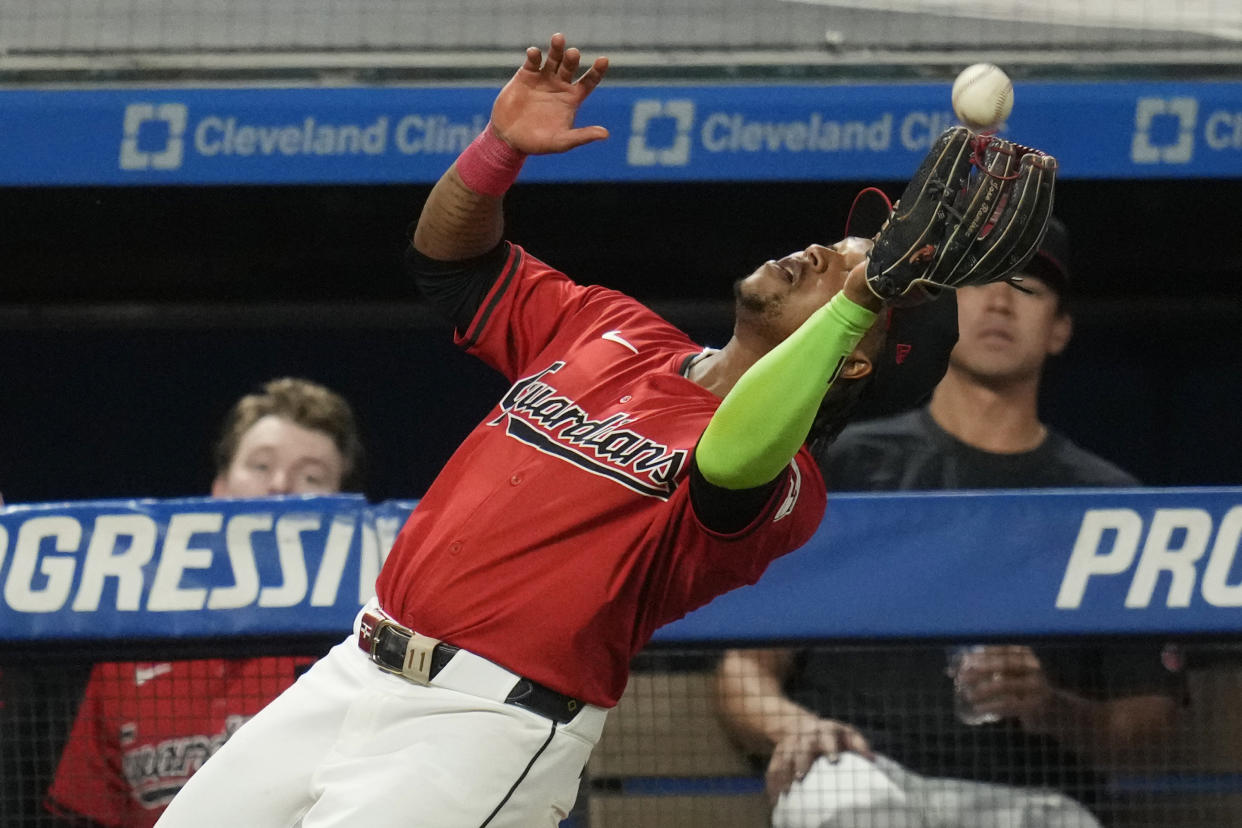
455,547
515,480
626,398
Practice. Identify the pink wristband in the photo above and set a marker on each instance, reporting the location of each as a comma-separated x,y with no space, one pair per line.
489,165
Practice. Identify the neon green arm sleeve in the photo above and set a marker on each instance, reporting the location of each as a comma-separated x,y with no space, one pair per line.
766,418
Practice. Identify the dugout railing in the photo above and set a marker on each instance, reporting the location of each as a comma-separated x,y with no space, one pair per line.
101,581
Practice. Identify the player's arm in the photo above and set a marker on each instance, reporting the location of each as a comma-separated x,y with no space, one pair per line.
750,700
456,222
1009,680
767,415
1108,730
752,705
532,115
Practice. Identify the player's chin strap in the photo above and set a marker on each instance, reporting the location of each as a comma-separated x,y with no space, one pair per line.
850,224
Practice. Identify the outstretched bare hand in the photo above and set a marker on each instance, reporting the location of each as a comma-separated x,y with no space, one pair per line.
534,112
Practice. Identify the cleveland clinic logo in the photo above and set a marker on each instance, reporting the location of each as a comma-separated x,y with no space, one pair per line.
1164,130
660,133
154,136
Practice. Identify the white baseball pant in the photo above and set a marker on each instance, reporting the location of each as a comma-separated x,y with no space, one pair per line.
351,745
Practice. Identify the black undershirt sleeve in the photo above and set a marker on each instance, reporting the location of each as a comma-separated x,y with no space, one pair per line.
456,289
726,511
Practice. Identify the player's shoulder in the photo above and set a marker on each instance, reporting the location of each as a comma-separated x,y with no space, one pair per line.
594,303
621,319
1086,468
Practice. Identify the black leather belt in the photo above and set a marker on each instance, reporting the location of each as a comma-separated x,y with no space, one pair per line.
399,650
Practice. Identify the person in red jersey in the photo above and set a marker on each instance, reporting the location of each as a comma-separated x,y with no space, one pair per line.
627,476
144,727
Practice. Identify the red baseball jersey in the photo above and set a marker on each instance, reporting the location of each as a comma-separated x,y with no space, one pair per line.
560,535
145,727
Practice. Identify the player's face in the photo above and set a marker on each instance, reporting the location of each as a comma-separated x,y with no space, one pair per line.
277,456
780,295
1005,335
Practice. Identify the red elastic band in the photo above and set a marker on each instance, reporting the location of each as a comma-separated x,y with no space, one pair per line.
489,165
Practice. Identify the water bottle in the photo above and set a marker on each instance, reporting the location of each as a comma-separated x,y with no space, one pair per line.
958,659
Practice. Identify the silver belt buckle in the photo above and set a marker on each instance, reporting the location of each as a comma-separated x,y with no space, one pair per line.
416,666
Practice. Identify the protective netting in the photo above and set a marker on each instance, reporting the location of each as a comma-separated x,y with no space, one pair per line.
111,740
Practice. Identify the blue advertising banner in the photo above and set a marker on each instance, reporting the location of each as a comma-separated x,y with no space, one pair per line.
1036,562
359,135
197,567
953,565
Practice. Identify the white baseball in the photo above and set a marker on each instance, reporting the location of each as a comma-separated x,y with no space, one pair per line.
982,96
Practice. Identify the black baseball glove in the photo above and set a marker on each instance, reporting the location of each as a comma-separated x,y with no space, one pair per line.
975,212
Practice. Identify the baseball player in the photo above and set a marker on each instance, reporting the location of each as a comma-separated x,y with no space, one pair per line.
626,477
144,727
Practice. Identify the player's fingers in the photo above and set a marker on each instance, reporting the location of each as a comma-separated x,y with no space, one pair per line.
1009,660
830,741
581,135
779,777
1032,666
993,658
1023,656
979,688
556,53
591,78
569,66
803,759
856,742
534,57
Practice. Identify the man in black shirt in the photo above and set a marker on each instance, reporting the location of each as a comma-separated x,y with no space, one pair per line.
863,737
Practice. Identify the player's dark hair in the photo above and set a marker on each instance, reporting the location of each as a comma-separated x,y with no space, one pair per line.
836,411
838,406
304,403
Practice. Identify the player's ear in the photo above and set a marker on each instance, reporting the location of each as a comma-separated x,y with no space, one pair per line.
857,365
1060,334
